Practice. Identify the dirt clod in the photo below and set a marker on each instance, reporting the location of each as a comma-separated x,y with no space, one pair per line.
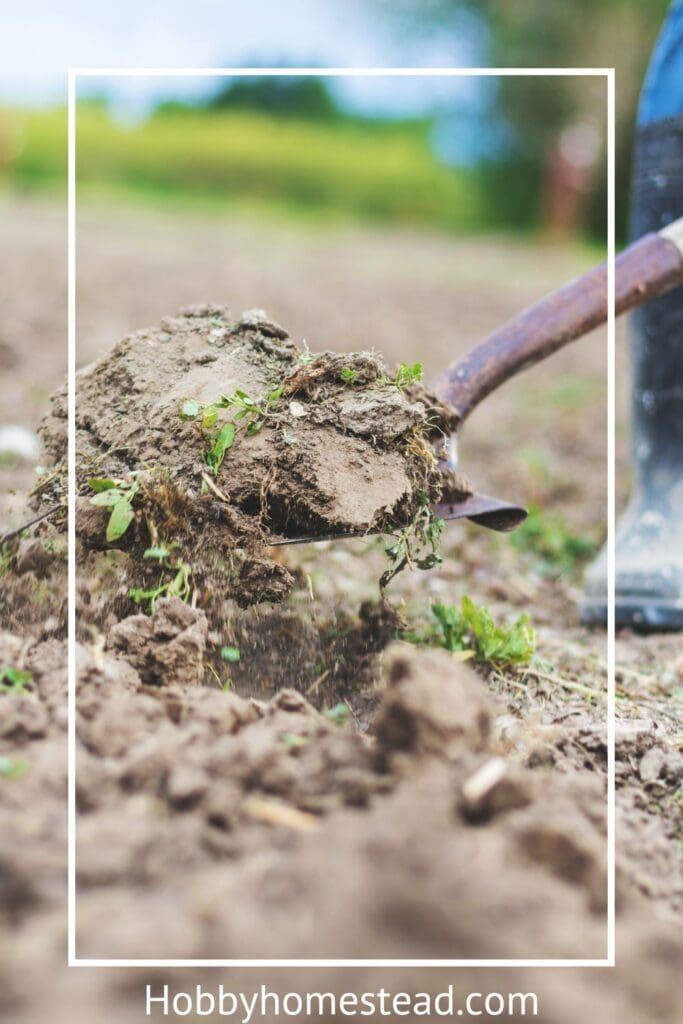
165,648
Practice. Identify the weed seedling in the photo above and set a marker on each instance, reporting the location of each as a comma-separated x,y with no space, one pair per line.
417,546
306,356
177,586
13,680
348,374
12,767
339,714
405,375
560,551
230,653
470,628
117,495
220,438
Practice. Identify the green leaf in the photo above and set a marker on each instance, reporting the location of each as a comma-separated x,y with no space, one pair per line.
348,374
138,595
453,627
12,767
108,498
209,417
14,679
338,714
230,653
190,410
470,630
120,519
406,374
226,435
158,552
102,483
273,396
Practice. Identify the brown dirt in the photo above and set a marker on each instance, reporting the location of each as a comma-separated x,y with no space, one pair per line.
322,455
453,814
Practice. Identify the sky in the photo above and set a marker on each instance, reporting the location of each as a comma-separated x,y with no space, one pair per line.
42,38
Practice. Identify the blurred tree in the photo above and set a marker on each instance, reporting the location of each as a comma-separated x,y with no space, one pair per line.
553,33
303,97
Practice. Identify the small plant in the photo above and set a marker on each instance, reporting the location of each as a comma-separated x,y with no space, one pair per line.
230,653
339,714
560,551
293,741
348,374
405,375
470,629
177,586
117,495
14,680
12,767
417,546
221,438
306,356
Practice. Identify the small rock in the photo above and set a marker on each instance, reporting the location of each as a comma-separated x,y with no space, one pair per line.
493,789
651,764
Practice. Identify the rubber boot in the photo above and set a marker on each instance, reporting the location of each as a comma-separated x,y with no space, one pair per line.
649,536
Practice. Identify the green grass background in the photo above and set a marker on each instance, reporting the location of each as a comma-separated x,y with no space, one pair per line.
366,170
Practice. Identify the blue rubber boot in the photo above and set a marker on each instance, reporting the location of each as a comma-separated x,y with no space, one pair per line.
649,537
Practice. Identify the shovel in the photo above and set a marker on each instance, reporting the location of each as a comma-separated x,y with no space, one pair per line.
650,267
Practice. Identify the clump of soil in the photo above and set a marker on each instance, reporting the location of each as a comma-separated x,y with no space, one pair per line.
324,444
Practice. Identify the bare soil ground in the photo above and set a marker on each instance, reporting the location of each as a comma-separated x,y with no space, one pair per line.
251,823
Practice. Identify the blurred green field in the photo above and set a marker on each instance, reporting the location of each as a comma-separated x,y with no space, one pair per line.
367,170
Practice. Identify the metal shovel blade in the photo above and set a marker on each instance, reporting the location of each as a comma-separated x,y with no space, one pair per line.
479,508
492,513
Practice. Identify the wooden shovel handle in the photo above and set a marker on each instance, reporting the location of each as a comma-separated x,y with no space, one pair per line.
648,268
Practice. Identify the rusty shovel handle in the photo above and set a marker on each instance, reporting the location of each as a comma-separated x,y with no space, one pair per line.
648,268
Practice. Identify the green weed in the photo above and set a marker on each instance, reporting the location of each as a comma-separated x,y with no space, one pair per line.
230,653
221,438
470,630
178,585
417,545
306,356
405,375
117,495
559,550
339,714
348,374
12,767
14,680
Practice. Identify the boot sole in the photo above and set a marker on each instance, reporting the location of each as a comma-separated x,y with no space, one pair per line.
644,614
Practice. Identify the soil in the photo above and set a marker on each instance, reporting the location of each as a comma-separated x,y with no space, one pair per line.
346,795
327,444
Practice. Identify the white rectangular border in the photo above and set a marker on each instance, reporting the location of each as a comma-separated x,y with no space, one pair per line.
73,75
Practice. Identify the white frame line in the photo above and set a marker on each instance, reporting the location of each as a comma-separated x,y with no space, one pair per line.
73,75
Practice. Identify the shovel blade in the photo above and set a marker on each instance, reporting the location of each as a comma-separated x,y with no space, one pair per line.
479,508
492,513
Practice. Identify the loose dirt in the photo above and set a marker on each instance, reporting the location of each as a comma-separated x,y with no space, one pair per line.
309,445
346,795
